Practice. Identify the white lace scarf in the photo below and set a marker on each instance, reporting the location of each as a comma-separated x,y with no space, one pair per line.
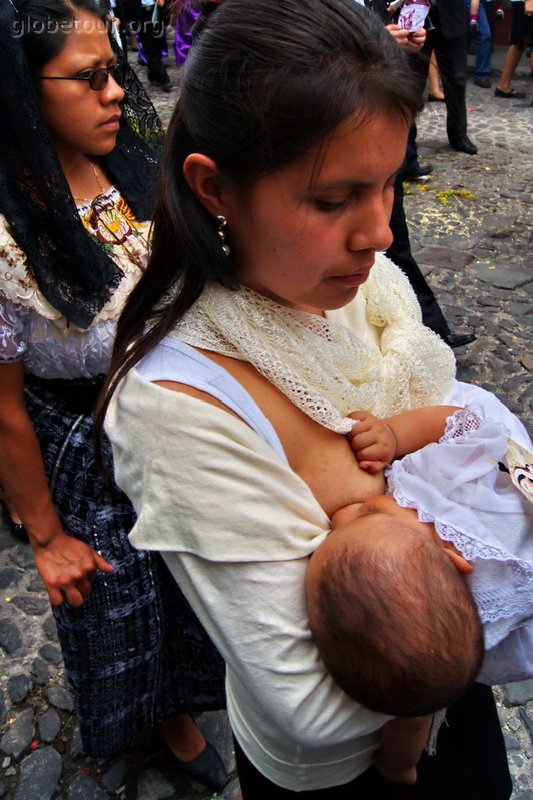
325,368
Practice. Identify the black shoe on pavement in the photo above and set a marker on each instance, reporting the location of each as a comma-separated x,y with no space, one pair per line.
433,99
459,339
483,82
512,94
464,145
417,172
165,86
207,768
15,528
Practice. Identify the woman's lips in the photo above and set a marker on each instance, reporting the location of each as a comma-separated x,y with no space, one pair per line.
355,279
111,124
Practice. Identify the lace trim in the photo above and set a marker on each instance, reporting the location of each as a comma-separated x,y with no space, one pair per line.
12,345
463,421
493,602
129,253
411,368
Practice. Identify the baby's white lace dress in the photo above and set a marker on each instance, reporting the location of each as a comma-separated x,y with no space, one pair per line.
458,485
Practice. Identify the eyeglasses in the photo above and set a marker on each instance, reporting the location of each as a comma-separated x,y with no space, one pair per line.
97,79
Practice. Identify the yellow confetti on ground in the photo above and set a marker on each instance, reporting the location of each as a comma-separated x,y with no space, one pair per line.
447,195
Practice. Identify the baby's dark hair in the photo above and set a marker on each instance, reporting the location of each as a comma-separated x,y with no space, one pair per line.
395,623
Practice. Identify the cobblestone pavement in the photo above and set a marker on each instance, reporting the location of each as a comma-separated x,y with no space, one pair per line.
471,227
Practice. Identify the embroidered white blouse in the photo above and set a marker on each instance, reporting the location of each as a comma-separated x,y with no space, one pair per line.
32,331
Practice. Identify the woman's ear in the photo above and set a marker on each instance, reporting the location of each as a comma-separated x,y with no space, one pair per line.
202,175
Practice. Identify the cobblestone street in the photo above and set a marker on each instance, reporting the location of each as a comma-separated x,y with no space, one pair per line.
471,227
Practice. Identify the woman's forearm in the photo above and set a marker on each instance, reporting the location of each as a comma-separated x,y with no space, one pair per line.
22,474
23,478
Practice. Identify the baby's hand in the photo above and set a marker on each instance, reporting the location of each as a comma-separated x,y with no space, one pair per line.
372,441
345,515
407,777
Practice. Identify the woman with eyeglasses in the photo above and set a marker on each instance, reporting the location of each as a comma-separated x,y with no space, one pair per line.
79,144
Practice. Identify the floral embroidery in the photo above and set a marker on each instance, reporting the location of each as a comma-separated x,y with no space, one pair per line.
110,219
126,242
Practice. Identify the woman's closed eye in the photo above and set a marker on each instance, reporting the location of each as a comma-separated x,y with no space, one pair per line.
330,206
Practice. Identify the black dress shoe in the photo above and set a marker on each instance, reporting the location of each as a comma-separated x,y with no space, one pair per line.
207,768
165,86
16,529
433,99
485,83
417,172
459,339
20,533
464,145
512,94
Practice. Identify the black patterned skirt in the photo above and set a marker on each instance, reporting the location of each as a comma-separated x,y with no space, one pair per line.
134,652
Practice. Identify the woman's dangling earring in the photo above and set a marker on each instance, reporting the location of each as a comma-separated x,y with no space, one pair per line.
222,222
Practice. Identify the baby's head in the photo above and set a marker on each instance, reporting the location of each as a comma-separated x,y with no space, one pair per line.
392,617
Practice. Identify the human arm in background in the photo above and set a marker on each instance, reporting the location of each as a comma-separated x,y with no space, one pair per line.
474,10
66,565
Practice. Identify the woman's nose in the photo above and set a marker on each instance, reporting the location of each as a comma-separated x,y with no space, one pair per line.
112,91
372,226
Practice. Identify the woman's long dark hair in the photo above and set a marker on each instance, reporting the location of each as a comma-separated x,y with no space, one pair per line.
74,273
263,83
42,27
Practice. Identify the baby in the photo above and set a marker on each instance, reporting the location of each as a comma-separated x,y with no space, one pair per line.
394,620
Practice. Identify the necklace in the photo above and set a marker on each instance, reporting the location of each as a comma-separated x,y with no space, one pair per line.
97,179
100,187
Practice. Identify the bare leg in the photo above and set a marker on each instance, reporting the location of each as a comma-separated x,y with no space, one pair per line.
182,736
434,86
512,59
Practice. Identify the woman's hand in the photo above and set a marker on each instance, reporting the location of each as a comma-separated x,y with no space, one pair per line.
372,441
415,40
412,41
68,568
66,565
400,35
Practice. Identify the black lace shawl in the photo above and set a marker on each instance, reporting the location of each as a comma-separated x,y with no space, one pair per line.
71,269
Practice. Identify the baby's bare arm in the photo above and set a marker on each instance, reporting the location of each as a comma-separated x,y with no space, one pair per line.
377,442
402,743
415,429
